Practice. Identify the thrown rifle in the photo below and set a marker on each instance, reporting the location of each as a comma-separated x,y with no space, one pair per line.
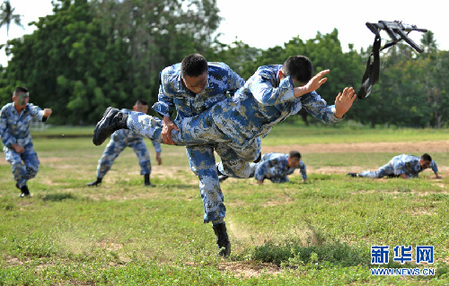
397,31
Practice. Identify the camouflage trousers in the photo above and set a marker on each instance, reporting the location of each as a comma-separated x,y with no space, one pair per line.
24,165
113,150
386,170
201,139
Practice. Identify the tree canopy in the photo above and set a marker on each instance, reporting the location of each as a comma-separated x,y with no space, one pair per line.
89,55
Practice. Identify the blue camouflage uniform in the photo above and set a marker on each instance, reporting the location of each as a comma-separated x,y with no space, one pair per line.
174,96
261,103
15,128
401,164
121,139
274,166
238,121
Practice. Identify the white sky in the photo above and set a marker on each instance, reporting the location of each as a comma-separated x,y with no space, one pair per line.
268,23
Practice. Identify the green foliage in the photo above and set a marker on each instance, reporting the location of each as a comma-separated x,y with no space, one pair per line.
7,16
92,54
294,254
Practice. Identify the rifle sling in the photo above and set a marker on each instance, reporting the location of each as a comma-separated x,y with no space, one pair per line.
371,75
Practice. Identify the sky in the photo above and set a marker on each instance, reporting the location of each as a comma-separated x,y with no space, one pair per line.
264,24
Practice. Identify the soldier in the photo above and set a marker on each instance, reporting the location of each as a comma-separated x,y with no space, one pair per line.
190,88
276,167
15,120
404,166
123,138
268,97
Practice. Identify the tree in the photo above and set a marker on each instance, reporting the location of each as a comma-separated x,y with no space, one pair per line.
7,16
429,43
92,54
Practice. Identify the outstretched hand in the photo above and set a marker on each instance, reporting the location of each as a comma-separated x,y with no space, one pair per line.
344,101
313,84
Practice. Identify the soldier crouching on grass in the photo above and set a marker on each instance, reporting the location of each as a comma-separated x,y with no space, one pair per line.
404,166
15,121
277,166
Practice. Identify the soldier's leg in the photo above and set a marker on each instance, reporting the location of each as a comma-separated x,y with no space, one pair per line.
380,173
195,130
110,153
140,148
17,166
202,163
31,161
147,126
235,160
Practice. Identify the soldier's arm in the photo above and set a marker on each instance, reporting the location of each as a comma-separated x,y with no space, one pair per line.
7,139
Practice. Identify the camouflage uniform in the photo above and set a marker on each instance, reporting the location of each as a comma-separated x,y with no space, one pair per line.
401,164
121,139
15,128
173,95
274,166
238,121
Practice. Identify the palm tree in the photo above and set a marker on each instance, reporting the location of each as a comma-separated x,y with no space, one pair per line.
429,42
7,16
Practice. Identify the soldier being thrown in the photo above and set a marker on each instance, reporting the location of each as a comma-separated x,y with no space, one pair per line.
272,94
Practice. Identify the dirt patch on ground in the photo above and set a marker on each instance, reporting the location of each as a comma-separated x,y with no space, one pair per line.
393,147
249,269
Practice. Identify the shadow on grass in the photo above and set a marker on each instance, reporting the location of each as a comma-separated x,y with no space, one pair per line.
58,197
294,255
291,252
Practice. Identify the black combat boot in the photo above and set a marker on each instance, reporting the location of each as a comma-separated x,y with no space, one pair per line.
112,120
224,245
258,158
25,191
221,176
354,175
147,180
95,183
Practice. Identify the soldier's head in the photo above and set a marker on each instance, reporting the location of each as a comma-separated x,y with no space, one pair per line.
141,106
194,70
299,68
20,97
425,161
294,157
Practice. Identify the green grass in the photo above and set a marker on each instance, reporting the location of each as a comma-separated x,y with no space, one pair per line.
347,132
123,233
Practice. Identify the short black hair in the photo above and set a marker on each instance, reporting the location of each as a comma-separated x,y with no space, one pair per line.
21,89
426,157
194,65
294,154
141,101
300,68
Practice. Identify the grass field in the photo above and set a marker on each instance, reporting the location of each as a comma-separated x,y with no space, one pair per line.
319,233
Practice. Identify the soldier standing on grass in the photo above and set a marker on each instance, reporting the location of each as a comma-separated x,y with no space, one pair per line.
404,166
126,138
15,121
